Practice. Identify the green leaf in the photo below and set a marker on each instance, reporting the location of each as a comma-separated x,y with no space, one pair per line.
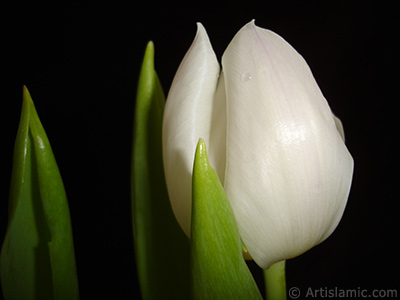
37,257
218,268
161,247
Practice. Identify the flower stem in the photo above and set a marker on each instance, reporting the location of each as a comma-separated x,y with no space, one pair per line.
275,282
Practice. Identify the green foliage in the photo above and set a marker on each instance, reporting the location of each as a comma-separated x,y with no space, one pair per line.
218,268
161,247
37,257
275,281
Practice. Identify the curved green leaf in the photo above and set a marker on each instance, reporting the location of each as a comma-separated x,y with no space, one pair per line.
37,257
161,247
219,270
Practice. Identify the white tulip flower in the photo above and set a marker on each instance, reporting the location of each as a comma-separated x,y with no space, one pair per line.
271,136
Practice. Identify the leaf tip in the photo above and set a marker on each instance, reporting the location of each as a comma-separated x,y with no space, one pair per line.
150,45
25,93
201,153
149,53
201,147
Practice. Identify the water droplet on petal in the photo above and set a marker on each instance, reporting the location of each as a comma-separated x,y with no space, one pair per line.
246,76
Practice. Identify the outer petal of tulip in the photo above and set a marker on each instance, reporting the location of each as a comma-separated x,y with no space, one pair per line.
288,171
188,116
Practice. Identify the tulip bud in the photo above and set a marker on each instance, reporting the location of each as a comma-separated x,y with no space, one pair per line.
272,138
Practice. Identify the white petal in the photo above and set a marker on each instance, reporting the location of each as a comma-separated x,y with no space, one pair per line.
188,117
217,142
288,172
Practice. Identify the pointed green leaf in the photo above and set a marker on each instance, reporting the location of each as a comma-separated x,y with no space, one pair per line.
161,247
218,268
37,257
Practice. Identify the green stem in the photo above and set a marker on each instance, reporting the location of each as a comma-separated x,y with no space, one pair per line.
275,282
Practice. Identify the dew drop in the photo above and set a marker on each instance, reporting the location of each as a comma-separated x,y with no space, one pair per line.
246,76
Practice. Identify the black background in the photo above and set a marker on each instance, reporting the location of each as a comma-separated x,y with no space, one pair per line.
81,64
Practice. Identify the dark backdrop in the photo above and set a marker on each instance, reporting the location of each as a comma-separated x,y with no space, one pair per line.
81,64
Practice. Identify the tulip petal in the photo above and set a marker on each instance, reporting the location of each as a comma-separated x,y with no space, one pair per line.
188,117
288,172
